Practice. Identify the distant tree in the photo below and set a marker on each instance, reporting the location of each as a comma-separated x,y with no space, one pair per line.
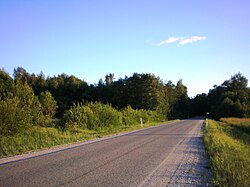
200,105
178,100
6,83
66,90
100,83
39,83
232,98
145,91
183,103
21,75
109,79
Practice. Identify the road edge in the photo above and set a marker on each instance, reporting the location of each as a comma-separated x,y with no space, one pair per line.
59,148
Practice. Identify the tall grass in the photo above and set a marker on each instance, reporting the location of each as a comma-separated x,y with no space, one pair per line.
40,137
229,152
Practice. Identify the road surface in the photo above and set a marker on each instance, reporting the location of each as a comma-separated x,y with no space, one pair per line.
167,155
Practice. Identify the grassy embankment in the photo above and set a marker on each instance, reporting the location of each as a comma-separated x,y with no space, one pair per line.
40,137
228,144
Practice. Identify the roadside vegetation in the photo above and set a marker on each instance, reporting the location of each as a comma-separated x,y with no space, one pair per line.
230,99
37,138
228,144
38,112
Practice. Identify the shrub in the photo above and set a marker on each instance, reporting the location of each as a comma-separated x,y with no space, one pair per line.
79,115
131,116
107,116
92,116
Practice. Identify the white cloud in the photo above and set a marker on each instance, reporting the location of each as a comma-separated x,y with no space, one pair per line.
169,40
191,39
182,40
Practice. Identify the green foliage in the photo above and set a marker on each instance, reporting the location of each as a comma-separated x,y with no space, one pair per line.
140,91
231,99
239,128
178,100
200,105
29,101
79,115
6,83
98,115
14,117
19,110
66,90
229,152
41,137
131,116
92,116
48,107
144,91
107,116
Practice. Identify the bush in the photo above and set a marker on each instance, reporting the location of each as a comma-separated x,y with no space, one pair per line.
107,116
92,116
131,116
79,115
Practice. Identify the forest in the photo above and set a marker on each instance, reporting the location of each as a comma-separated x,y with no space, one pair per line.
64,101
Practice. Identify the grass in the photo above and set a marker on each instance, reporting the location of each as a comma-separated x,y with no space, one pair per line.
43,137
227,143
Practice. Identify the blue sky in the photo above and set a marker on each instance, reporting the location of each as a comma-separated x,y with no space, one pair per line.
201,42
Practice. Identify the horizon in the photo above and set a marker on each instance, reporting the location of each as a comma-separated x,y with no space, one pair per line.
202,43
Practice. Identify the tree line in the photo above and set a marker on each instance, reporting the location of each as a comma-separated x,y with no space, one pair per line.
28,99
230,99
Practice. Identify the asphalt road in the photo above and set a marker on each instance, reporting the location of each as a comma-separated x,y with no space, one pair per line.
128,160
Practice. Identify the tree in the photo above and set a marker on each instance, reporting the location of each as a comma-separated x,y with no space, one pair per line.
19,110
21,75
48,108
48,103
39,84
109,79
6,83
178,100
145,91
199,105
66,90
232,98
100,83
